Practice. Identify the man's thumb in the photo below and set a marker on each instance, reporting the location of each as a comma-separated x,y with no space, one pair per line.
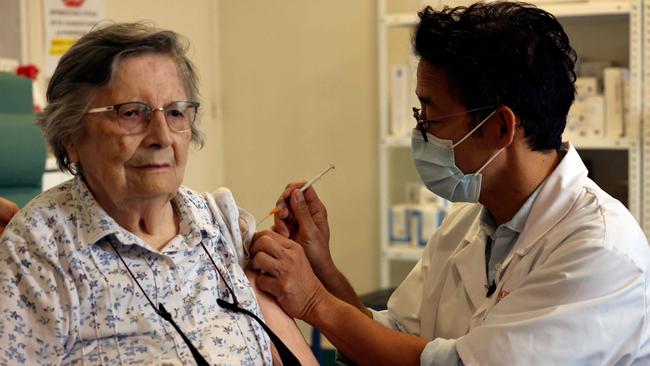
301,210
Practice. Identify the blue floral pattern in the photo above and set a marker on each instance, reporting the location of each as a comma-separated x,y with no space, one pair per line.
65,297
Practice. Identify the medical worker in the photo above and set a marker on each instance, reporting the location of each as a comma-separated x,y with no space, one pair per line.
540,267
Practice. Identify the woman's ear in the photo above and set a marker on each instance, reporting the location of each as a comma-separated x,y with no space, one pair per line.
73,153
507,124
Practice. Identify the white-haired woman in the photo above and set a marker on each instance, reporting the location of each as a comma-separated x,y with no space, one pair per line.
122,264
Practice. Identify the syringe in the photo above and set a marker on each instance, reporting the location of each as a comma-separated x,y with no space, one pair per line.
310,183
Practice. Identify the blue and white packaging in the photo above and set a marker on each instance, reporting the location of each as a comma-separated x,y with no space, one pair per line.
425,220
399,225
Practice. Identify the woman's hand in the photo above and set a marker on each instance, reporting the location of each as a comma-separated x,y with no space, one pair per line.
7,210
304,220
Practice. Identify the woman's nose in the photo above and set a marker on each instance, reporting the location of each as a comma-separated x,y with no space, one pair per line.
158,132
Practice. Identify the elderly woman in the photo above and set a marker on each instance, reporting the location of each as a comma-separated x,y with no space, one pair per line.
123,265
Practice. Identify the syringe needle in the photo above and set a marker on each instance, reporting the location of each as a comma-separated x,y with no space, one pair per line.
306,186
263,219
317,178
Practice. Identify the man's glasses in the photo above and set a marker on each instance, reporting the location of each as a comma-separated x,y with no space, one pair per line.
423,124
134,117
286,356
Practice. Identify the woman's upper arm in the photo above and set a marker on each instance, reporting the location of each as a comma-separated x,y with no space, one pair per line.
282,325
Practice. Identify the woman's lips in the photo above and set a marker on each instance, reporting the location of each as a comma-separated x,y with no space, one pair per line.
153,166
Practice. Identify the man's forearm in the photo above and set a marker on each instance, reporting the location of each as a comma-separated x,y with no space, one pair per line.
360,338
336,283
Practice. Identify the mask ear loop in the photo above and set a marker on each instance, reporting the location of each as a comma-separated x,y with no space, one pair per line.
475,128
490,160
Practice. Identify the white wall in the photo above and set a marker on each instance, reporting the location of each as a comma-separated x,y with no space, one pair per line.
299,91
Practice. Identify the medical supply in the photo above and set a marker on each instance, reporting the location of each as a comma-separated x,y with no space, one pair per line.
310,183
586,86
400,118
413,224
424,220
399,224
613,79
586,117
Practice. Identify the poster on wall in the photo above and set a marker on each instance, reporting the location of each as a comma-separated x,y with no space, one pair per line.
66,21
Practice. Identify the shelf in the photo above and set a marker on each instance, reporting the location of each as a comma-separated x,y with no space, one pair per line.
603,143
400,20
576,15
578,142
588,8
403,252
394,141
560,10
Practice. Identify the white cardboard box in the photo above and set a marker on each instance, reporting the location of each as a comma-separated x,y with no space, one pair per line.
399,224
399,102
576,122
595,114
613,80
586,118
425,220
586,86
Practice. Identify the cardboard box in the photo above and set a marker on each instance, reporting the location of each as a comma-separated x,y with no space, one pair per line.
425,220
613,80
586,118
595,115
586,86
401,120
399,224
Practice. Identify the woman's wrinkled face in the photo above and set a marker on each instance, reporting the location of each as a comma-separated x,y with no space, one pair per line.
120,166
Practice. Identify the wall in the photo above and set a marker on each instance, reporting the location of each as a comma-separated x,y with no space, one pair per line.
196,20
9,23
299,91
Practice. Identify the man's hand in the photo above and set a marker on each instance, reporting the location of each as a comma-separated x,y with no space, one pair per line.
306,224
305,221
7,210
286,274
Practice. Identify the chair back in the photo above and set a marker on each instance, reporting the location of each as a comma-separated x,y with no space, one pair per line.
22,148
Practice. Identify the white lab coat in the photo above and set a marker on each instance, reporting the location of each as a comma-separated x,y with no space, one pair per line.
574,290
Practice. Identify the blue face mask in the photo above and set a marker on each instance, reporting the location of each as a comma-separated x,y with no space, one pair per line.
434,161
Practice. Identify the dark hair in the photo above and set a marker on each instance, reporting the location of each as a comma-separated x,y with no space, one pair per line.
90,63
504,53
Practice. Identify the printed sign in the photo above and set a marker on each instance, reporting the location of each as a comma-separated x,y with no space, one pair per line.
66,21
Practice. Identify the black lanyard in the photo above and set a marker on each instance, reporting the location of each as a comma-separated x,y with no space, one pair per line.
288,358
490,287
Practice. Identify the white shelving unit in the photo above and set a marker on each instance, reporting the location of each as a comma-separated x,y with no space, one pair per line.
634,12
645,127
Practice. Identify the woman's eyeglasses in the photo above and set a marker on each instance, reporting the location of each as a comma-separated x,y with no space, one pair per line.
134,117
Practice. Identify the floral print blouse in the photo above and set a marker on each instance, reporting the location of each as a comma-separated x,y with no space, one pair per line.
66,298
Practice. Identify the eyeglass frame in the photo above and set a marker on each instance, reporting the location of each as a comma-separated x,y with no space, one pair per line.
423,124
116,107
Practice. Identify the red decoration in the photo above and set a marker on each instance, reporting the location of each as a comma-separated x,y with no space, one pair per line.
28,71
73,3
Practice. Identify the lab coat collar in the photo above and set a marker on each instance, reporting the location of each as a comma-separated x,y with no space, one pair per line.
556,197
469,261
